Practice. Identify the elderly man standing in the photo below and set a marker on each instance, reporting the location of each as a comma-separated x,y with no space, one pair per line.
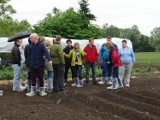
37,50
90,60
56,52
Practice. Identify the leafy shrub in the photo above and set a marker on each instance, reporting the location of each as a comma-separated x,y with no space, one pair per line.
5,56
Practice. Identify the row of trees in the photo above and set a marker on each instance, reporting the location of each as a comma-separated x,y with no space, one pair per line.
76,25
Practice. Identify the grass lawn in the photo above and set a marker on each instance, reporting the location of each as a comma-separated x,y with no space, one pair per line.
147,62
148,58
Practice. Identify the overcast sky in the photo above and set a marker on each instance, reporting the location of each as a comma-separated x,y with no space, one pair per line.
121,13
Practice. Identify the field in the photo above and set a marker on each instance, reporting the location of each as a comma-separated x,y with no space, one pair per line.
141,101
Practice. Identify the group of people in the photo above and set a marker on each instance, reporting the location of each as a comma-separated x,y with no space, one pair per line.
116,63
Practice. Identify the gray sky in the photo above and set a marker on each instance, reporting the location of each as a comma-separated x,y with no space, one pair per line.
121,13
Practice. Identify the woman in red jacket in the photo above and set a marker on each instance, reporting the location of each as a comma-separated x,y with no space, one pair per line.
116,61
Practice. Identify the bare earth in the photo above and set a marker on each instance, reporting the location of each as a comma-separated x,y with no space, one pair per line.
93,102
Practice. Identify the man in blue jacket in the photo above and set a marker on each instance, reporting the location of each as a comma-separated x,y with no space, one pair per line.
36,62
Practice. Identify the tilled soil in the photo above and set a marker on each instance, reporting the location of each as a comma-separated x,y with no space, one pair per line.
141,101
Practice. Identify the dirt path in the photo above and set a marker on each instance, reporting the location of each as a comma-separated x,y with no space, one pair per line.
139,102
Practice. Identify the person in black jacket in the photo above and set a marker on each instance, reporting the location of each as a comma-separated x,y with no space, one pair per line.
16,65
28,74
67,50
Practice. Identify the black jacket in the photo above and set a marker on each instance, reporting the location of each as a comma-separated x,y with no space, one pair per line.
67,51
26,53
16,55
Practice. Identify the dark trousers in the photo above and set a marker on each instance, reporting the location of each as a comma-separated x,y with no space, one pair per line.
37,73
77,69
115,73
67,66
58,79
110,69
89,65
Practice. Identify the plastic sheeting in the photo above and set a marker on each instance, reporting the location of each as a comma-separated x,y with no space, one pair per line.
7,47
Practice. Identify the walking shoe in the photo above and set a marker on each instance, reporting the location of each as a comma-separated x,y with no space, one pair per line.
22,88
32,92
102,82
73,85
79,85
109,82
127,85
112,88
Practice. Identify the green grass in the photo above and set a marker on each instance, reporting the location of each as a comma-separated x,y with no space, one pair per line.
146,62
148,58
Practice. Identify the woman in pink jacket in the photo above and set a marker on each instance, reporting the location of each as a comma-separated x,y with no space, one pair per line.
116,61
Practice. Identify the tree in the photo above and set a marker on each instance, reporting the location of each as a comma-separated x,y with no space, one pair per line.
133,34
10,26
145,44
111,30
6,10
85,13
155,36
67,24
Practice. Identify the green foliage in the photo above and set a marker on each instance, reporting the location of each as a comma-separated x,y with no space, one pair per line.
5,56
110,31
155,35
6,10
9,26
85,14
6,72
67,24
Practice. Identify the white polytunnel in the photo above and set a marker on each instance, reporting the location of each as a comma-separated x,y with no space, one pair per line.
7,46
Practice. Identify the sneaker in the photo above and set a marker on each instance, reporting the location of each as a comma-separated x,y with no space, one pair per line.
22,88
109,82
112,88
79,85
30,94
65,83
101,83
127,85
42,91
73,85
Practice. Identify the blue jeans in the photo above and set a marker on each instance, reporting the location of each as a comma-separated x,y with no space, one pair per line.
17,77
77,69
110,69
115,73
93,67
50,75
104,68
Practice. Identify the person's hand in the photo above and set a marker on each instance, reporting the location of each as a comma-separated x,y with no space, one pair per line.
50,62
99,64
